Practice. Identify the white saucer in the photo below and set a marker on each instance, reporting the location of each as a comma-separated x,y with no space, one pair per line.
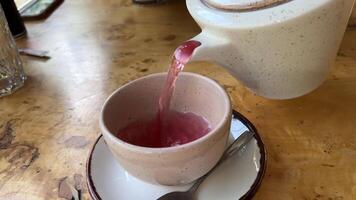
237,178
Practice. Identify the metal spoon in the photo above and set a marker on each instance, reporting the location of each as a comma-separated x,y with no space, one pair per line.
236,146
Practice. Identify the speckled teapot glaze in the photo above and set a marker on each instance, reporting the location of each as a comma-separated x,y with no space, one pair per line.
279,51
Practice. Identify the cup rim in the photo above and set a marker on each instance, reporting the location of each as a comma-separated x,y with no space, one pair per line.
142,149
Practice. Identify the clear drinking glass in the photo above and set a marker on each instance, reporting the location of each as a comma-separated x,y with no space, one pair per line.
12,75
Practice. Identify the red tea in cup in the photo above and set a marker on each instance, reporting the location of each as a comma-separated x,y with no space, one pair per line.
169,127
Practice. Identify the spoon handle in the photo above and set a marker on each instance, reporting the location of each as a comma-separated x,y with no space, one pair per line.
234,147
237,145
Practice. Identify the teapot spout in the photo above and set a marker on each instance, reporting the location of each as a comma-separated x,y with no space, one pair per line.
211,49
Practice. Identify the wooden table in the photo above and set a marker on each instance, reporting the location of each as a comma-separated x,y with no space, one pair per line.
47,127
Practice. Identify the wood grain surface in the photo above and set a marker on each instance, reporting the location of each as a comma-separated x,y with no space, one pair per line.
48,126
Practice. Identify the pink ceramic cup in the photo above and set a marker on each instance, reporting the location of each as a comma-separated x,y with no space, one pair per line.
170,165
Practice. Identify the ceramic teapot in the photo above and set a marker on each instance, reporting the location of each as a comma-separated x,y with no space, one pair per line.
279,49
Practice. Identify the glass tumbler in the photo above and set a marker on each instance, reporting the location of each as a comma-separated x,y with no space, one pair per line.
12,76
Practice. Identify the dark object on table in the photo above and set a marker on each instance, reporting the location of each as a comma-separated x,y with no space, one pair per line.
39,9
13,18
34,53
147,1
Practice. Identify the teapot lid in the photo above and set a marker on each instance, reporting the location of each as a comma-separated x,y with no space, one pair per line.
242,5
